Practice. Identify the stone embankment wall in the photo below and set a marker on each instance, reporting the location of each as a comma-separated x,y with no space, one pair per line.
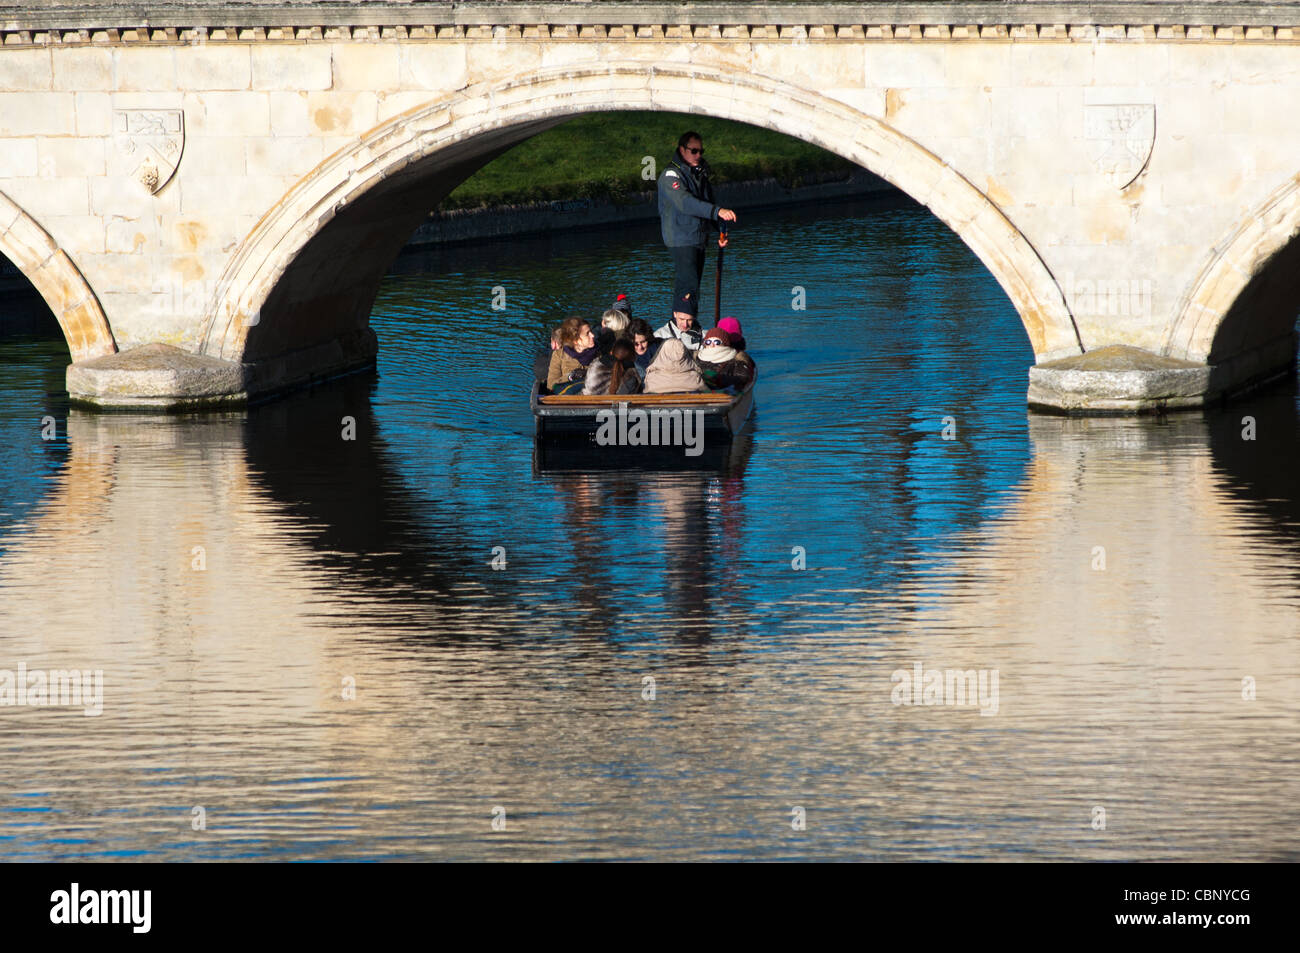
504,221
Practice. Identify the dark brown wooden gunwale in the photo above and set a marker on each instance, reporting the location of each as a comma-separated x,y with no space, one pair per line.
601,400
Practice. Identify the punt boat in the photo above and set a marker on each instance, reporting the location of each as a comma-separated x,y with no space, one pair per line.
641,428
561,416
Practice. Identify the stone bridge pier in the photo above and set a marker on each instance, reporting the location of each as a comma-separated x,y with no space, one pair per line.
207,195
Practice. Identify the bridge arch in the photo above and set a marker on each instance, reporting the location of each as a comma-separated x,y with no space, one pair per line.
57,280
385,183
1247,295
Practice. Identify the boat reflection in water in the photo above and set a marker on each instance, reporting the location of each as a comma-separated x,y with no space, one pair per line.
685,522
725,455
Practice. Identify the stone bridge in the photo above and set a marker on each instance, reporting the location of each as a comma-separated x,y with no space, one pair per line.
207,194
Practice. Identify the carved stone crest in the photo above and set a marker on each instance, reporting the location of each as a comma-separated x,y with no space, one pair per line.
150,142
1122,137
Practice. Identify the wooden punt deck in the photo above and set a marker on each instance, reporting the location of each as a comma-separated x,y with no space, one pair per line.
574,416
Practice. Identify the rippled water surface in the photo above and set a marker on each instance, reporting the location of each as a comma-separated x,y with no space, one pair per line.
1131,582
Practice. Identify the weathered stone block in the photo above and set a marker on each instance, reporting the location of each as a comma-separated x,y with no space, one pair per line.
213,155
70,157
214,67
227,114
905,65
120,195
78,235
37,114
1197,64
145,69
341,113
290,155
94,114
126,237
71,197
25,70
155,376
19,159
83,324
371,67
569,54
933,115
1131,64
1054,64
1030,112
839,66
433,67
81,69
1117,379
292,67
232,195
978,64
394,104
489,61
868,101
288,113
1250,110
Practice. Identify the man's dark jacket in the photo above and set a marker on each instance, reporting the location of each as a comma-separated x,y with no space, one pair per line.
686,206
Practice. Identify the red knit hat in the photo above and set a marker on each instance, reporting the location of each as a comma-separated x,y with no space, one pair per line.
720,335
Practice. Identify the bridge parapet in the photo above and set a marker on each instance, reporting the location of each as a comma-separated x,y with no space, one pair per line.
112,22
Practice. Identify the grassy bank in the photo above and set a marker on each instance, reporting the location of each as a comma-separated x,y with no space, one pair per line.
600,156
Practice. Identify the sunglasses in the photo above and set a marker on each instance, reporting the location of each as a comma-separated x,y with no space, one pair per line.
696,152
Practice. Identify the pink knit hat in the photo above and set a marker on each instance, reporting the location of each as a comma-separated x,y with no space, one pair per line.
731,326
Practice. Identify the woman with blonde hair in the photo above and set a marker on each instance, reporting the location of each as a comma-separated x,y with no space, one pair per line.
616,320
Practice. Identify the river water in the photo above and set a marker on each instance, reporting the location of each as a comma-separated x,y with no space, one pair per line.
307,652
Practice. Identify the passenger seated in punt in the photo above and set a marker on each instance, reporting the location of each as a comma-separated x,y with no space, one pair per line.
614,373
644,343
542,365
673,372
616,320
732,327
683,325
605,338
720,364
568,368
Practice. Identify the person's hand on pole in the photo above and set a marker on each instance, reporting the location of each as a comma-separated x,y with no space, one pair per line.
726,214
722,239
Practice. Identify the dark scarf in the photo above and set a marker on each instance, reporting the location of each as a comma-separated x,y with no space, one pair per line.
582,357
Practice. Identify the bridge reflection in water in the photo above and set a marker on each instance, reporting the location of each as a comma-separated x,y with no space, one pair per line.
1120,688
